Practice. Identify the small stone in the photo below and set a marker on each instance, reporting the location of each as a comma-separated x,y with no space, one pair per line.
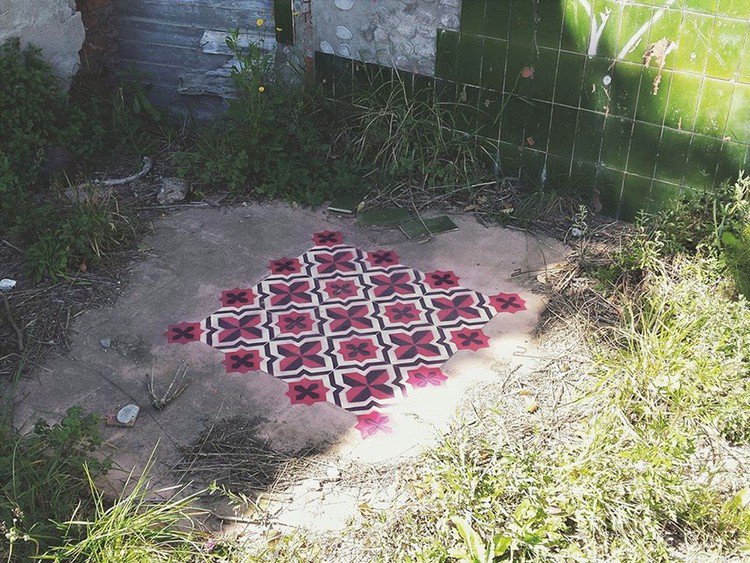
326,47
450,21
343,32
172,190
105,343
128,414
345,50
344,4
6,284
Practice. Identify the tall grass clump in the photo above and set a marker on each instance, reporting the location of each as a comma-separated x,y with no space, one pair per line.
134,528
412,138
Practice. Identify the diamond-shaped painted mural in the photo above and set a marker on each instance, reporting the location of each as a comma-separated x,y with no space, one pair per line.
355,329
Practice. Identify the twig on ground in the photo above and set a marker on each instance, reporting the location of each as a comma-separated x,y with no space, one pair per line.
160,403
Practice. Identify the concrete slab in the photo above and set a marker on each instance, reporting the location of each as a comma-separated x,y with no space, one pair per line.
198,253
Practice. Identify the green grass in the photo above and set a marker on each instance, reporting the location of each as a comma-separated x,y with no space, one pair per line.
133,528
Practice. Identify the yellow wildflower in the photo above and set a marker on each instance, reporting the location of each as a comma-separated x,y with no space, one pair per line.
259,22
261,89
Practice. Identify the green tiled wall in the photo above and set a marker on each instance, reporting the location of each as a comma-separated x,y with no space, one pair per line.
599,118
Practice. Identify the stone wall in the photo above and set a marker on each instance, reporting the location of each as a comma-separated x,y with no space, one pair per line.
397,33
52,25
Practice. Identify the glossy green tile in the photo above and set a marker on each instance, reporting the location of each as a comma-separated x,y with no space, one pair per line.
683,101
542,86
609,185
520,57
558,170
695,37
489,113
470,49
673,153
595,91
537,125
464,113
589,136
735,8
493,63
653,95
706,6
632,20
726,48
732,161
576,27
563,131
624,89
497,19
616,142
522,22
473,17
644,149
569,76
510,159
514,120
532,165
446,60
738,125
550,21
663,196
702,162
744,72
583,179
635,193
713,110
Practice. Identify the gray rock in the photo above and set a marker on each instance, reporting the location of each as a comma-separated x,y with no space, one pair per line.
128,414
173,190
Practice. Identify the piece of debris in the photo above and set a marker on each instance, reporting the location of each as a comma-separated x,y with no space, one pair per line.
346,203
6,285
172,392
658,52
105,343
426,227
172,190
123,418
383,216
531,405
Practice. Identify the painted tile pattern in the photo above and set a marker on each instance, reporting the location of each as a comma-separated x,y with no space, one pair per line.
352,328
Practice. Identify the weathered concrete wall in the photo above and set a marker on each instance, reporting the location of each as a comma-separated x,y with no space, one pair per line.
52,25
398,33
178,45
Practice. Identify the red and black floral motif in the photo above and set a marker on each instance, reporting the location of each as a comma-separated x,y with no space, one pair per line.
285,266
354,329
237,298
425,376
328,238
242,361
470,339
382,258
370,424
393,284
508,302
183,333
441,280
307,392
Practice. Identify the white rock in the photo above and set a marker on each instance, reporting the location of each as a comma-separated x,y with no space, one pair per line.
128,414
172,190
345,50
344,4
326,47
343,32
6,284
